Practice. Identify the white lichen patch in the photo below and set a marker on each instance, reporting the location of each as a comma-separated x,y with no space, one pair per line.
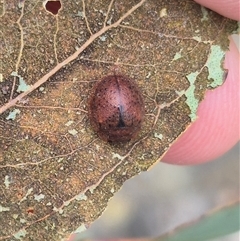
191,99
197,38
20,234
159,136
4,209
81,196
23,86
12,115
92,188
178,55
116,155
103,38
80,229
214,64
205,14
73,132
39,197
7,181
22,220
69,123
163,13
59,210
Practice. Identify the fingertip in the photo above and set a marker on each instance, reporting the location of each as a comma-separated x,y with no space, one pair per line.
229,9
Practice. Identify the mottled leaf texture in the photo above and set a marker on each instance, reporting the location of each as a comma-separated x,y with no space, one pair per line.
56,174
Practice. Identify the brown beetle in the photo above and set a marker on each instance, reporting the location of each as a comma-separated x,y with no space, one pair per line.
116,108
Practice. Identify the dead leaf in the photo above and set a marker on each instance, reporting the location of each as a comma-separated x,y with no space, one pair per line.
56,174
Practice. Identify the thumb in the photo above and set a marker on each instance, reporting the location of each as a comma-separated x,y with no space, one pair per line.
229,9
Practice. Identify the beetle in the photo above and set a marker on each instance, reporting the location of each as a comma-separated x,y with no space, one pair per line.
116,108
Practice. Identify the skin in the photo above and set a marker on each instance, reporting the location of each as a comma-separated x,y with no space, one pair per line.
217,127
229,9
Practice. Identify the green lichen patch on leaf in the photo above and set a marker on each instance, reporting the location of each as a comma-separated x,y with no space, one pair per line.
60,175
22,86
12,115
214,64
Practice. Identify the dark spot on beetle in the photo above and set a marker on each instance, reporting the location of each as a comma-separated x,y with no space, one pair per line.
116,108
